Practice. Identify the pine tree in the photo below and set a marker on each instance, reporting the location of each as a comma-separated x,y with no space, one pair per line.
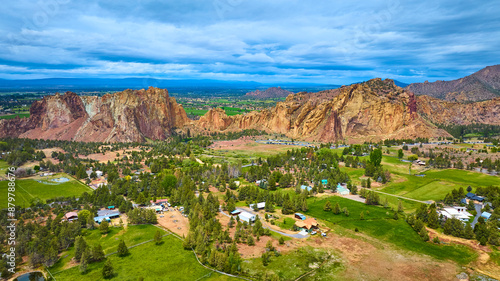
447,228
84,260
158,238
336,208
122,249
362,215
433,219
97,254
468,232
107,270
104,227
396,216
327,207
90,222
281,241
80,247
250,241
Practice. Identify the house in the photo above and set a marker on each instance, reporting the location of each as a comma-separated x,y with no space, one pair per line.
71,216
106,215
258,182
245,216
158,201
457,212
472,196
235,212
342,189
305,187
300,216
486,215
307,224
260,205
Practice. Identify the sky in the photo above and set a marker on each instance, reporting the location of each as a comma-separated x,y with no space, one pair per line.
326,42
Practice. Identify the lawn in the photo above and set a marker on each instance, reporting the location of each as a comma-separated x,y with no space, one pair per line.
29,189
192,111
380,224
287,223
293,264
168,261
3,167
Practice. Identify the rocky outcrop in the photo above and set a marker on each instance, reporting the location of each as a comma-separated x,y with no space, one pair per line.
479,86
126,116
372,110
273,92
445,112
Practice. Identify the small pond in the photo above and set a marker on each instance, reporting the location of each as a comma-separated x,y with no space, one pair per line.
31,276
61,179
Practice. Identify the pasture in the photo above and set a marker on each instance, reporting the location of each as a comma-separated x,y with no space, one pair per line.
28,190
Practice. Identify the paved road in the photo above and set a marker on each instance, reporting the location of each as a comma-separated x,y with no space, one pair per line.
478,210
264,224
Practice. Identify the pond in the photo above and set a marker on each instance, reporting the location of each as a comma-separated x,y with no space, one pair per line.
61,179
31,276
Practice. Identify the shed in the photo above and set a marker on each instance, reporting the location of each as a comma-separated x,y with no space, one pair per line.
300,216
245,216
71,216
111,207
260,205
303,187
324,182
235,212
342,189
486,215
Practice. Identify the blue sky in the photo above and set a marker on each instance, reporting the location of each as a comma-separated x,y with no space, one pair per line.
329,42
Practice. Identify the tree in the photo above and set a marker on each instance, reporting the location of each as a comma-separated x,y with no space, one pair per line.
265,258
122,249
250,241
97,254
158,238
376,157
400,207
269,245
368,183
362,215
104,227
468,232
327,207
281,241
80,247
396,217
336,208
107,270
433,219
400,154
90,222
83,216
84,262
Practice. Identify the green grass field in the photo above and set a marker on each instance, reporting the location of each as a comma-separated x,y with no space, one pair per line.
3,167
29,189
192,111
287,223
294,264
380,224
12,116
168,261
134,234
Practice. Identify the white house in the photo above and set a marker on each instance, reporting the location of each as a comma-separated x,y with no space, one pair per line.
98,173
456,212
260,205
245,216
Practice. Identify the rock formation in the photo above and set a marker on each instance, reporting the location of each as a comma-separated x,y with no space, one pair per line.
482,85
372,110
126,116
273,92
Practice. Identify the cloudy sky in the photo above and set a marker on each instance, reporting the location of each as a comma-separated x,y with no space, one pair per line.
330,42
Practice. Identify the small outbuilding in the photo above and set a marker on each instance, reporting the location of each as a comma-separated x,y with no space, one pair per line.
245,216
260,205
71,216
299,216
486,215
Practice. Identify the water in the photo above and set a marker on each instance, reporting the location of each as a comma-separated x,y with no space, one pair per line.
61,179
32,276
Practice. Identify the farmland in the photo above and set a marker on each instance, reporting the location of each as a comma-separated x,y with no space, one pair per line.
28,190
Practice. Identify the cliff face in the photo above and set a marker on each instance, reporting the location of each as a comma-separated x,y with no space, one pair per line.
120,117
444,112
481,85
369,111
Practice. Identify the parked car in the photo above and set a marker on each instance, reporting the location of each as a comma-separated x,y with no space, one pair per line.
323,234
313,232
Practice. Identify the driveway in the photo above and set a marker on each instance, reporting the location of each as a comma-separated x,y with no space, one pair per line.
264,224
478,207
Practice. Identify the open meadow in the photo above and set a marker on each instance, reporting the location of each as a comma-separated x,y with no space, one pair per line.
28,190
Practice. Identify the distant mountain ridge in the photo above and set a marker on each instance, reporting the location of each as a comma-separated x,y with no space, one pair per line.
479,86
273,92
